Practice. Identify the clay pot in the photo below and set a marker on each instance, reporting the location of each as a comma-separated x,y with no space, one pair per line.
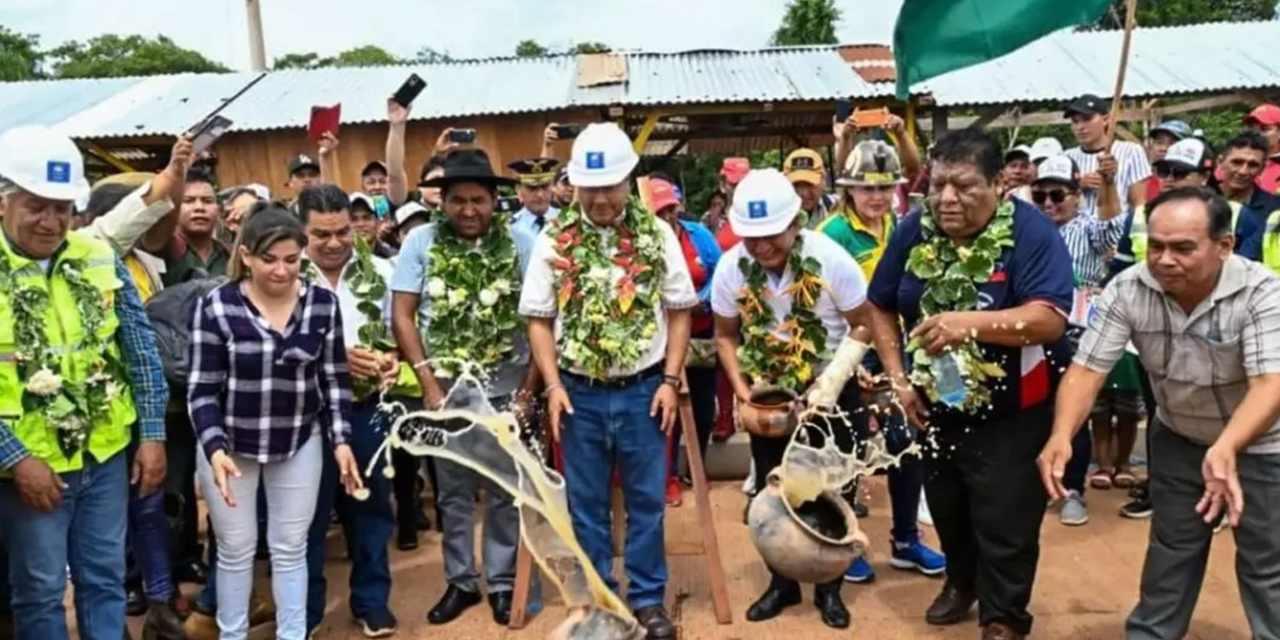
770,413
815,543
596,624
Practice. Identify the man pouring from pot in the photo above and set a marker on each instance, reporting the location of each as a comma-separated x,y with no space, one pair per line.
784,300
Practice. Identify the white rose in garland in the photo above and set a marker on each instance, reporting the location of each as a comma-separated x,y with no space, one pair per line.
488,297
44,383
436,288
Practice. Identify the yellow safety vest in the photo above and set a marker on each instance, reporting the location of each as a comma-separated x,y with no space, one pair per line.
1271,242
1138,230
63,329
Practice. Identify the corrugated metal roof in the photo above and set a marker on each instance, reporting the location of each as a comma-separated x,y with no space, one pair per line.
1163,61
159,105
49,102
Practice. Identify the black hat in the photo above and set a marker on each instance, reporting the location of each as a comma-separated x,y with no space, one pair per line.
535,172
468,165
301,161
374,165
1087,105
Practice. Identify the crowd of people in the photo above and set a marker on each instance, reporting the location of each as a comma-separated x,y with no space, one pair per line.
1029,308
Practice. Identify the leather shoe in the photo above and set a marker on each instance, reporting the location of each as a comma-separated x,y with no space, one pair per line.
407,539
500,602
774,600
834,613
656,623
951,606
452,604
195,572
1000,631
135,603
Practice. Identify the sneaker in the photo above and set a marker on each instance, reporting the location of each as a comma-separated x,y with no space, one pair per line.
675,497
860,572
1074,510
1139,507
917,556
923,515
377,624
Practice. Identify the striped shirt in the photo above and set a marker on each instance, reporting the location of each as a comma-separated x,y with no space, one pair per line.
1132,167
261,393
1091,242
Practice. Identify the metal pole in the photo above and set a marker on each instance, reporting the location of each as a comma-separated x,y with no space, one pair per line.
257,50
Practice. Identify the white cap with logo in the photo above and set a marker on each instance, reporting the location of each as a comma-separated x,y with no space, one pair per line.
43,162
1043,148
1187,154
1059,168
764,204
602,156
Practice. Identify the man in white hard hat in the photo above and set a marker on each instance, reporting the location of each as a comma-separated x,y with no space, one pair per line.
758,287
82,369
609,327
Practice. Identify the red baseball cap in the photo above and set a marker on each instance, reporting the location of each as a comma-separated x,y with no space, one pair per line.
1264,115
735,169
662,194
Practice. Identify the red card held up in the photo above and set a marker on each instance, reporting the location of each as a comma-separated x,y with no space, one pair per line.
324,120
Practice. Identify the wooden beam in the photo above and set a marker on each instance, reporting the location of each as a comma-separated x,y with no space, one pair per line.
107,157
1206,103
988,115
646,130
941,121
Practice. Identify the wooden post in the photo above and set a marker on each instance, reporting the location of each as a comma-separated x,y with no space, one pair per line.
1131,17
710,541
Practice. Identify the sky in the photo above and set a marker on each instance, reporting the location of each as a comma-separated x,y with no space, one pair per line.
462,28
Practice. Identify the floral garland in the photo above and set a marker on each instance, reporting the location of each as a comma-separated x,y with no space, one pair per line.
608,283
951,275
370,289
766,358
475,299
71,408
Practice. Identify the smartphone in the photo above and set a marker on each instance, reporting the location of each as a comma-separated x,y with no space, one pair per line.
408,91
509,204
462,136
871,118
205,133
844,109
567,131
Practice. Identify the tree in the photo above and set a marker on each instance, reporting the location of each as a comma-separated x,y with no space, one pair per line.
808,22
366,56
112,56
590,47
1169,13
428,55
530,49
297,61
19,55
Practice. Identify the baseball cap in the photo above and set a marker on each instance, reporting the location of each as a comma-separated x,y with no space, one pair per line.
1020,150
43,162
1176,128
1058,168
1043,148
1190,154
764,204
302,161
363,199
410,210
374,165
662,194
602,156
735,169
1086,105
804,165
1263,115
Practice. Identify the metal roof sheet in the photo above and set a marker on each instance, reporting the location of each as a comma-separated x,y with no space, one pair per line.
49,102
158,105
1163,61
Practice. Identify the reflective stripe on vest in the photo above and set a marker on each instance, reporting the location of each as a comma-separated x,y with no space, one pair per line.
1138,230
63,329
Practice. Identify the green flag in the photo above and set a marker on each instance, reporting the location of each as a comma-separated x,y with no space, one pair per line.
933,37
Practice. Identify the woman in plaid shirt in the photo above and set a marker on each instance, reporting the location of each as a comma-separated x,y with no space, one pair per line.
268,370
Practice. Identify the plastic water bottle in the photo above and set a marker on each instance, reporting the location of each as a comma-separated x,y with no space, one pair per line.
946,375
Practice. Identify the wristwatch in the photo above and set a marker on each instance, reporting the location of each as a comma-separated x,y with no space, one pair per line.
674,381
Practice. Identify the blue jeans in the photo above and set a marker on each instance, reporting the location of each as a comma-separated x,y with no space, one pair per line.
149,541
1078,466
87,532
208,600
367,525
612,427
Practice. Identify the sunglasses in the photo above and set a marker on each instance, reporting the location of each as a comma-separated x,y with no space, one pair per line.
1166,172
1056,195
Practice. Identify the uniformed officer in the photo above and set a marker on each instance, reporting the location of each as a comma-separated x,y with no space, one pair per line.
535,176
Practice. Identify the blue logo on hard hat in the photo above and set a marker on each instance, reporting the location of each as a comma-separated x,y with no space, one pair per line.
59,172
595,159
757,209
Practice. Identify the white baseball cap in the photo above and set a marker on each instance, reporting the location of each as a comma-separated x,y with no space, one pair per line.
602,156
1189,154
408,210
1059,168
43,162
764,204
1043,148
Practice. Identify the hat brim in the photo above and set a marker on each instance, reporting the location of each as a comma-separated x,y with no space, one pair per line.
805,175
417,215
1056,180
1178,165
1080,111
1175,134
854,182
70,192
742,229
616,176
487,180
1013,153
308,165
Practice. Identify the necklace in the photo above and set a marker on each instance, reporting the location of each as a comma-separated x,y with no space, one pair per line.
766,358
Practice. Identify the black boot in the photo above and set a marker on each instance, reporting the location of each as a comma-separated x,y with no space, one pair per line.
828,602
780,595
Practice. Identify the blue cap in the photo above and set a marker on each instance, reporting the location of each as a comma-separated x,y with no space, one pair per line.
1176,128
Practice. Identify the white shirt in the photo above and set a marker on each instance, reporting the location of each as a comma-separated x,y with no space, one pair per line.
349,305
538,296
1132,167
846,286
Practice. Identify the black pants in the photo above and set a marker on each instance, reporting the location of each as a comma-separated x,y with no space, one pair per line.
987,501
702,397
766,454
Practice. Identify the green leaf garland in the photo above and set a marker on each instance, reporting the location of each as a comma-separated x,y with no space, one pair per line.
765,358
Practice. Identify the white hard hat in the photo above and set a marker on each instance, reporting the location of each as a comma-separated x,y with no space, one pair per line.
764,204
602,156
43,162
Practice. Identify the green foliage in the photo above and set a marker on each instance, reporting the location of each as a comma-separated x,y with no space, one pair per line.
297,61
429,55
1167,13
366,56
19,55
808,22
590,47
531,49
112,56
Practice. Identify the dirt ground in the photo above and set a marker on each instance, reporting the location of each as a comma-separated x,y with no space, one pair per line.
1087,584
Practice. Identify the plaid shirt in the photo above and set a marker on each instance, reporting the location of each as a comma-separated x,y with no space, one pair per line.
137,341
259,393
1199,362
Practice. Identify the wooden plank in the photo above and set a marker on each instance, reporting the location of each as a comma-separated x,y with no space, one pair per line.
710,540
525,571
